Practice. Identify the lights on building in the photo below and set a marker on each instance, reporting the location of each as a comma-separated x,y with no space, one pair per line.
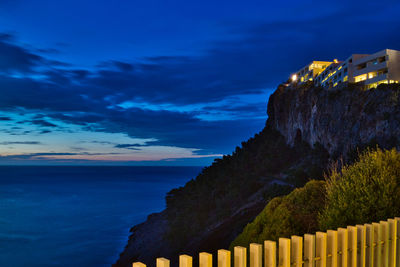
294,77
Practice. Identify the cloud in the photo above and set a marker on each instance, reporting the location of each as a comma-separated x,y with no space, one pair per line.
43,123
20,143
15,58
38,156
3,118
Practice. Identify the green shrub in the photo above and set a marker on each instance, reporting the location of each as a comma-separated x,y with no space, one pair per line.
294,214
366,191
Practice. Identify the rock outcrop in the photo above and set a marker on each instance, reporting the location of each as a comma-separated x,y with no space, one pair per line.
339,119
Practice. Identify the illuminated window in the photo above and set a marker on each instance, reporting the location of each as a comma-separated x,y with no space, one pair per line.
345,78
372,75
360,78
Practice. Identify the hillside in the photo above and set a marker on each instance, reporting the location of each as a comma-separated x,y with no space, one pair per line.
306,128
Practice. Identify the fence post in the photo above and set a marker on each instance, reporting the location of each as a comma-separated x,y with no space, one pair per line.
377,244
320,252
138,264
162,262
342,246
205,259
369,243
309,250
297,251
393,242
361,242
397,219
270,253
352,235
240,256
385,243
185,261
284,252
255,255
224,258
332,248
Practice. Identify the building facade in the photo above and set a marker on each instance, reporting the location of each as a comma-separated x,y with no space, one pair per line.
371,70
309,72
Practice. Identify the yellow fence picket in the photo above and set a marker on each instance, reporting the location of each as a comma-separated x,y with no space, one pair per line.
309,250
205,259
352,236
332,249
392,242
297,251
240,259
138,264
377,244
224,258
270,253
361,239
162,262
369,243
284,252
185,261
397,219
321,246
255,255
385,243
342,247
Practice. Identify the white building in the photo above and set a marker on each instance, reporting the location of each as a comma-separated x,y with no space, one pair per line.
371,70
309,72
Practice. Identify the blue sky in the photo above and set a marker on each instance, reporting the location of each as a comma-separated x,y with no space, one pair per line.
161,82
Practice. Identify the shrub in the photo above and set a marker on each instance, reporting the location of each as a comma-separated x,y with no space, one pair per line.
366,191
294,214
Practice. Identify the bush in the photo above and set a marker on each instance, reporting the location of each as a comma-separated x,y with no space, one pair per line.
366,191
294,214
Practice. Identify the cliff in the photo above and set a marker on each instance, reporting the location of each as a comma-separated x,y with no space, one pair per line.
340,120
306,128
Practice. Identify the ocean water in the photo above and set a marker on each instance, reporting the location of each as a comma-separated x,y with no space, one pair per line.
77,216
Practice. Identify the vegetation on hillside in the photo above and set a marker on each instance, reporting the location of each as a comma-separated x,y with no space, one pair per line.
365,191
263,163
294,214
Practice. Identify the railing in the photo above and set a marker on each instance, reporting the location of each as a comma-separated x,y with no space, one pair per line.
368,245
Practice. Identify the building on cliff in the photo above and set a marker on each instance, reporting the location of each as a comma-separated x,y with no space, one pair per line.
371,70
309,72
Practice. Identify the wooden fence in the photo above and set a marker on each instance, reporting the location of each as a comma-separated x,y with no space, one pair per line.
368,245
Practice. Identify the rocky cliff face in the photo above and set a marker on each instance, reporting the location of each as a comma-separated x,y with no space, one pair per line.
304,124
340,120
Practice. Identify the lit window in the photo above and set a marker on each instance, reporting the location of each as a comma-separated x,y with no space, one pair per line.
360,78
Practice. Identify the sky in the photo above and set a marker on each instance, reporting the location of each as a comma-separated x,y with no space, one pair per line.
161,82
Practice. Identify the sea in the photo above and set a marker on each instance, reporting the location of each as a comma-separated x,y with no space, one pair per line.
77,215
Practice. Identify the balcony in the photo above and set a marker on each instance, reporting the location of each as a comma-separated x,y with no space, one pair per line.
370,67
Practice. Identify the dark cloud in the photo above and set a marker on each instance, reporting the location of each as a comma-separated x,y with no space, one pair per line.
16,58
3,118
20,143
39,156
135,146
43,123
128,145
